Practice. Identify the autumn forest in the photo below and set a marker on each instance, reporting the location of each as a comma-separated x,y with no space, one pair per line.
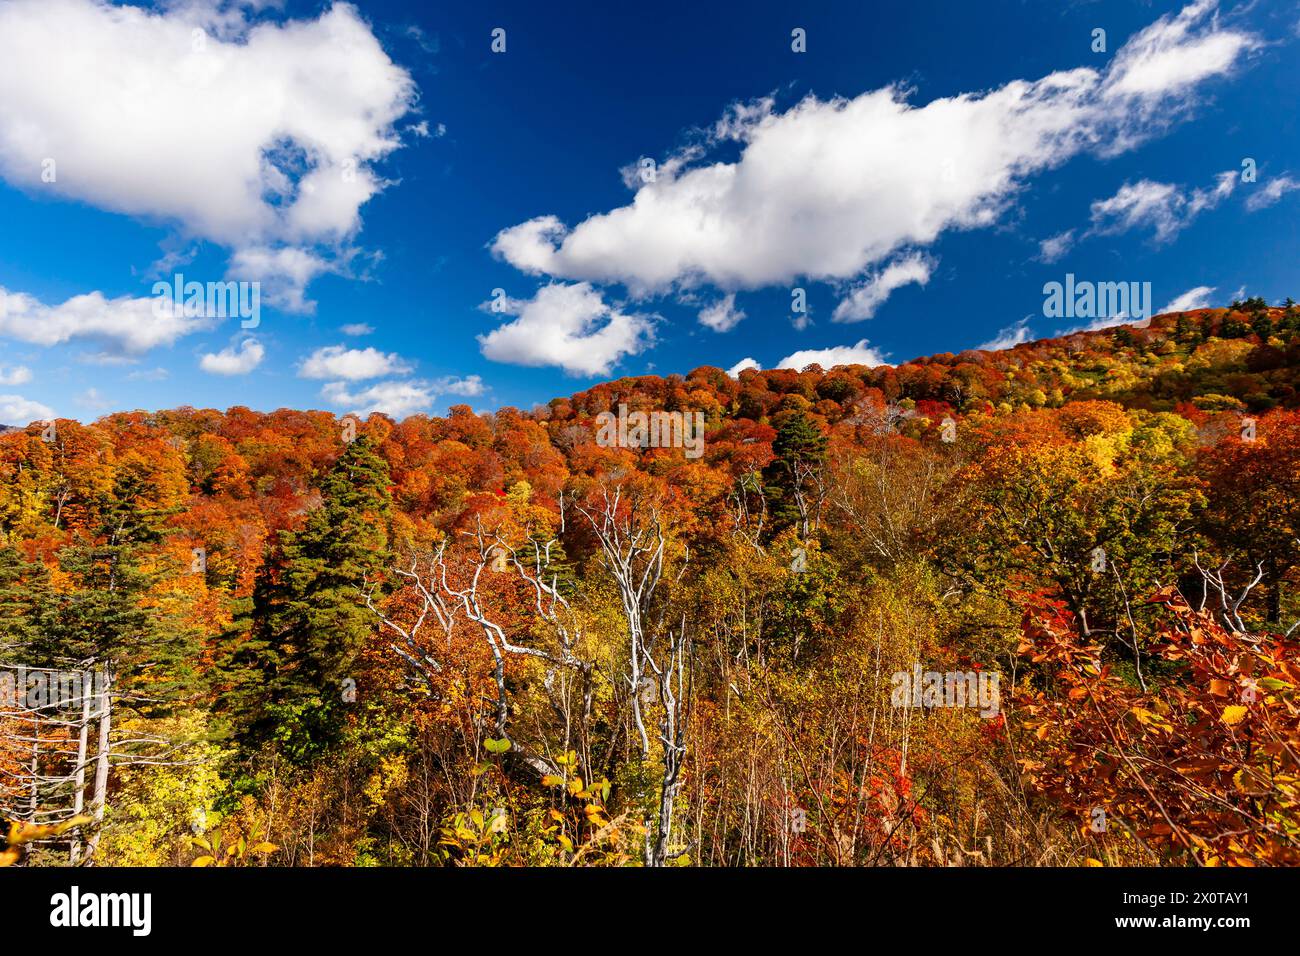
1032,607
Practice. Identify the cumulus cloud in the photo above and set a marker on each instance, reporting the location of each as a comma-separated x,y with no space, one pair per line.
722,316
568,325
341,362
124,326
1013,335
259,136
356,329
235,360
1270,193
743,364
1053,248
828,189
282,274
859,354
863,300
16,410
1197,298
15,375
1163,208
398,399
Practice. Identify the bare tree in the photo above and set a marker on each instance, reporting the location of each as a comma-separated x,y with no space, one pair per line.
450,592
633,540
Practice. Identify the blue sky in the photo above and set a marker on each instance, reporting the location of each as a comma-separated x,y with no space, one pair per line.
431,222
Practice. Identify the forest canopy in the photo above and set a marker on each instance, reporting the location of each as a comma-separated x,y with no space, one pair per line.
1029,607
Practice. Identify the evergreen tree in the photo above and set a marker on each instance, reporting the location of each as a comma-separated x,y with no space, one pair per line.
790,481
24,600
1262,325
117,611
1233,327
310,621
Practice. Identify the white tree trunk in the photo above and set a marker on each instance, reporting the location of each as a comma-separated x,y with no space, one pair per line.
79,797
101,762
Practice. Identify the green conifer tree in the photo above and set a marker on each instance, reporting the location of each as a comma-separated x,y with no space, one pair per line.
790,481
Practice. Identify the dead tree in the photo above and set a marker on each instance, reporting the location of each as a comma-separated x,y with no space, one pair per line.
633,541
451,597
632,545
672,672
59,710
749,509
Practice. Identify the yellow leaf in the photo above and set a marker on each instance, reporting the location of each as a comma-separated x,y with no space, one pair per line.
1092,862
551,780
1234,714
203,861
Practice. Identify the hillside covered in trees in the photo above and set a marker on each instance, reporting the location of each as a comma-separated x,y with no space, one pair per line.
491,639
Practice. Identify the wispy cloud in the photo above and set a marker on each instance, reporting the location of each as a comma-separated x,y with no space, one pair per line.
1195,298
1009,337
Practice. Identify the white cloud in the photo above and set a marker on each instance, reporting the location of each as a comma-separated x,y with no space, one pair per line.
722,316
282,274
338,361
16,410
234,360
1013,335
1171,55
569,326
859,354
1106,322
871,294
158,374
15,375
1053,248
1197,298
1277,187
124,326
1161,207
356,329
258,136
828,189
399,399
743,364
468,386
94,400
